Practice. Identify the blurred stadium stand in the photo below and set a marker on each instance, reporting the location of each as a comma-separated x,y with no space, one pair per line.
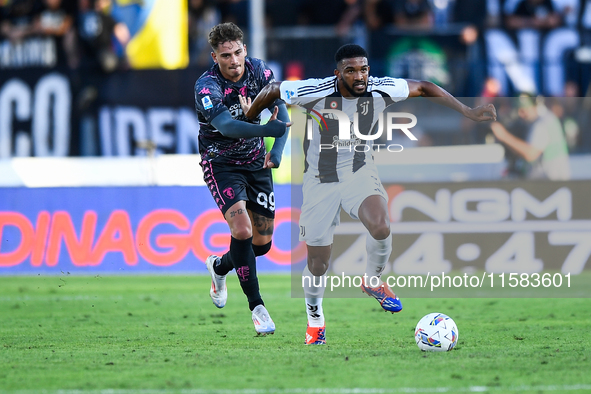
115,77
96,108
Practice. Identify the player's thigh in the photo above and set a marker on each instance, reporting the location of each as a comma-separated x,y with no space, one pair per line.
226,184
228,189
239,220
358,187
262,227
373,213
320,212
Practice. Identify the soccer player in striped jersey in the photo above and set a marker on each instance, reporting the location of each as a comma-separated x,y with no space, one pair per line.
345,176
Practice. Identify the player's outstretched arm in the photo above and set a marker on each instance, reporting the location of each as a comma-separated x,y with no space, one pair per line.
273,158
429,89
232,128
264,99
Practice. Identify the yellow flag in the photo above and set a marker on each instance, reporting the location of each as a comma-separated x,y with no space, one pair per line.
162,42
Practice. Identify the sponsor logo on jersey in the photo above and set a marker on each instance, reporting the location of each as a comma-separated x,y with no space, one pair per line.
235,110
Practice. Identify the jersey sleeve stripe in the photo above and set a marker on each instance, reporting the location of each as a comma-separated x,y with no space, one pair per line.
385,84
306,90
324,92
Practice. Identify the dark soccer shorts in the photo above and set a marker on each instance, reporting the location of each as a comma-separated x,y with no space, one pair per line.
229,184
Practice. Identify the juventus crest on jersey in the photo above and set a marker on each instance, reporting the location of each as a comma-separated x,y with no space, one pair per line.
329,156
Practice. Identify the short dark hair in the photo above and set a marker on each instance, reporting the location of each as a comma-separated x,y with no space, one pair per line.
224,32
349,51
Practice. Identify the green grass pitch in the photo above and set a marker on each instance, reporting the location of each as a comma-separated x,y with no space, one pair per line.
161,334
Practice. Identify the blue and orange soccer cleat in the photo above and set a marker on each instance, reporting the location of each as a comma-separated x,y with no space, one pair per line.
385,297
315,335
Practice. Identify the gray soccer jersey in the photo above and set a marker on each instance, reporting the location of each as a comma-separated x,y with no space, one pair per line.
329,157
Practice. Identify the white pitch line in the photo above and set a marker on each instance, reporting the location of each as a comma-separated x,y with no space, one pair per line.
56,297
469,389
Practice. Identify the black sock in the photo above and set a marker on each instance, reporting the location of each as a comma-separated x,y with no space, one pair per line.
223,265
242,258
261,250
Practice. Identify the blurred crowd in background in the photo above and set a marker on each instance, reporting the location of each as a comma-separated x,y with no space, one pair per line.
87,31
95,32
474,48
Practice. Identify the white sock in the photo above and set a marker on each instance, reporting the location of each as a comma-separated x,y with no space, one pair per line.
378,253
313,291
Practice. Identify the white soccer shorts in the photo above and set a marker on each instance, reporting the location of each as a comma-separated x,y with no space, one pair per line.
323,201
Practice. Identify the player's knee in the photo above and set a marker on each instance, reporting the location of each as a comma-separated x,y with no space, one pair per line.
379,231
260,250
318,269
317,266
242,232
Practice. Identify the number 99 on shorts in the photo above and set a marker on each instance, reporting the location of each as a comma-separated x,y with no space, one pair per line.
267,202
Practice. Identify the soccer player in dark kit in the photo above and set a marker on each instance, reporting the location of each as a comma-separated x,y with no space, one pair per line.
236,166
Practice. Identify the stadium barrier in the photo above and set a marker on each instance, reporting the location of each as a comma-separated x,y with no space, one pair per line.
509,226
124,230
514,226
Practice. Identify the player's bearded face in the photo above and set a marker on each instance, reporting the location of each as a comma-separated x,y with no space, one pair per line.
230,58
353,75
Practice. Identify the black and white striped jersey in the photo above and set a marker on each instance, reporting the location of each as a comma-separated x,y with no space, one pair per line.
329,157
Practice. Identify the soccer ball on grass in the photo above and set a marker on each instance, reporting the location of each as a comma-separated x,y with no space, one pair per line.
436,332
